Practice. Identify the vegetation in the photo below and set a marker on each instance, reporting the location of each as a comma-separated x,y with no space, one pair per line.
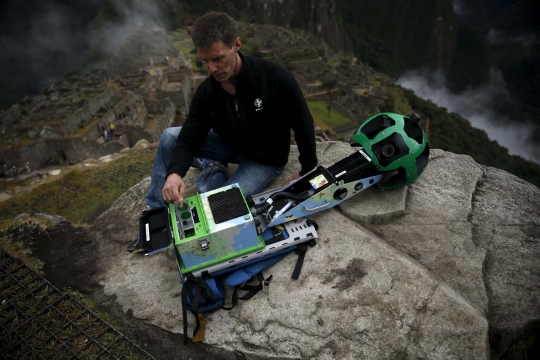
51,322
393,36
182,41
80,196
319,111
451,132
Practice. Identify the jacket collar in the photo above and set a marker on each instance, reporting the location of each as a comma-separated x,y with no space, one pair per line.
247,69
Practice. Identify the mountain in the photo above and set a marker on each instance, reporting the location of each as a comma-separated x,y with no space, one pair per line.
512,29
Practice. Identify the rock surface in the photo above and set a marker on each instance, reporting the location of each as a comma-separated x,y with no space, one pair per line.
423,272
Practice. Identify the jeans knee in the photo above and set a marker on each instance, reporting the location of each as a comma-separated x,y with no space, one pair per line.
170,136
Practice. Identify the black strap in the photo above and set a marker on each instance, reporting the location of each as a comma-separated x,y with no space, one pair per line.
196,299
301,252
187,292
252,290
275,239
184,311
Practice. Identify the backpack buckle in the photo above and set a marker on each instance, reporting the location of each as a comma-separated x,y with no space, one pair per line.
265,284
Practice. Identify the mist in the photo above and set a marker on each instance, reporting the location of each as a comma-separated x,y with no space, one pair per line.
128,15
459,7
526,40
42,41
478,106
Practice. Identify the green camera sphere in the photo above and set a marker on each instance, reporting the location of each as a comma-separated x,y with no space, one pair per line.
396,144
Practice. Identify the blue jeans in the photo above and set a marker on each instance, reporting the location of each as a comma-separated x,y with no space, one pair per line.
251,176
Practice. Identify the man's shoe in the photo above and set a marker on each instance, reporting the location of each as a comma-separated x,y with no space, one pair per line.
136,245
204,163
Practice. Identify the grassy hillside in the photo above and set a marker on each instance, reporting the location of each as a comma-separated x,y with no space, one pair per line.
80,196
451,132
319,111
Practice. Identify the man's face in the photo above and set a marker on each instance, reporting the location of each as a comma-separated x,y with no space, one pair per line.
219,59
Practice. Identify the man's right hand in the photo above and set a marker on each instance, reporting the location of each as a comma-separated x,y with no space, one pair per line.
174,188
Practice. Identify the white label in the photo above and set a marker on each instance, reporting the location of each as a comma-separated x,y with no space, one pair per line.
364,154
147,227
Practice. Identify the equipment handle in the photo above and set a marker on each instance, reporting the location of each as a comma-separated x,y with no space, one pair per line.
319,207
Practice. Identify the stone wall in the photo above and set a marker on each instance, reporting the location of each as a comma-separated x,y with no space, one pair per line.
346,111
164,121
132,81
179,75
10,117
82,116
168,111
179,88
163,111
157,106
135,133
153,83
76,150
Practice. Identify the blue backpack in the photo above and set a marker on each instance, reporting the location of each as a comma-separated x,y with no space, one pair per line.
207,293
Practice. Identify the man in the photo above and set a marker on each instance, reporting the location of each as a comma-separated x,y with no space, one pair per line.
240,114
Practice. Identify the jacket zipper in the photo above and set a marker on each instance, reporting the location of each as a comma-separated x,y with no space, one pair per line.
236,108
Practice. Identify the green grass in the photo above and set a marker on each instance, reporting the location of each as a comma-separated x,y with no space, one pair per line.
6,185
81,196
319,112
400,104
182,41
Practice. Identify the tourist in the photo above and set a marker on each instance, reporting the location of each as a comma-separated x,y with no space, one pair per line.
242,114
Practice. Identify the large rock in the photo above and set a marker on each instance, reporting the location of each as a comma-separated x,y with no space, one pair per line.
421,272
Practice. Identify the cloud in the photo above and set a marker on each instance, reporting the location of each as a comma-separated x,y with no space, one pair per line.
132,14
478,106
459,7
43,40
496,37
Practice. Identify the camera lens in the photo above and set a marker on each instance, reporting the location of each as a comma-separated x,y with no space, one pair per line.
388,150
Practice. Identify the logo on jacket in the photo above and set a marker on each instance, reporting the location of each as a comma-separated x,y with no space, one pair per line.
258,104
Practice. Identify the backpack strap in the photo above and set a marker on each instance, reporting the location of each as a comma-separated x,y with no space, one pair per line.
184,296
200,329
301,252
195,291
252,290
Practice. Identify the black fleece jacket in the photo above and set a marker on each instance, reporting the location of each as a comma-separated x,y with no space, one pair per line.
256,122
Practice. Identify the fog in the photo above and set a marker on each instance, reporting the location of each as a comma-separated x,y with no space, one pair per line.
477,106
131,14
459,7
495,37
41,41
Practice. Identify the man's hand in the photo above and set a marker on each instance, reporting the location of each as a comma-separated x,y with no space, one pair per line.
293,178
174,188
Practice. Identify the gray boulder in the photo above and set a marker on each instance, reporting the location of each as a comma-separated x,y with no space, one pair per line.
422,272
55,219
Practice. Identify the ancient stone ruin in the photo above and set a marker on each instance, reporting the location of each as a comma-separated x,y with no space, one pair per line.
67,123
